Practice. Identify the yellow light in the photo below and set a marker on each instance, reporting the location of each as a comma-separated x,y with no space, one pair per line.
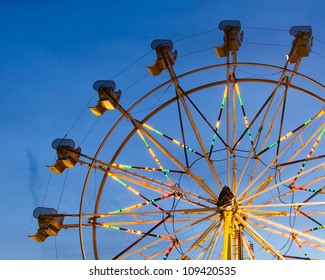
285,136
177,142
218,124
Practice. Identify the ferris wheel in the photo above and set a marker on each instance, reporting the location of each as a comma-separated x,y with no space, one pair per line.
226,165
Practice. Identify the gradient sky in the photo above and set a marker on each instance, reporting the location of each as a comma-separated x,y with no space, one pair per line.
51,52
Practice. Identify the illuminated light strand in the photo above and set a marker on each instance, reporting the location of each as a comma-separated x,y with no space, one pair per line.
171,139
294,238
310,218
133,190
171,247
142,237
135,206
320,113
309,155
301,160
155,157
225,94
292,132
244,113
303,189
312,196
313,229
138,232
289,134
123,166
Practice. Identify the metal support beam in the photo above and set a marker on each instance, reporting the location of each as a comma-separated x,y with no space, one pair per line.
228,235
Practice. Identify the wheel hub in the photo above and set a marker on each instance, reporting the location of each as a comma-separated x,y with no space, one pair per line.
226,200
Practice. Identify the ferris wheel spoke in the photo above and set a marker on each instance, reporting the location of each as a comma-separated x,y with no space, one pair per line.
292,132
290,235
181,234
225,93
150,169
194,223
294,204
141,250
136,206
236,182
142,237
157,186
163,149
155,158
132,190
320,191
175,233
132,231
267,247
287,229
162,188
270,99
309,154
129,176
205,212
293,159
281,105
181,95
245,118
287,236
295,239
313,182
266,105
210,248
279,197
253,150
173,140
259,188
311,169
310,218
283,111
304,161
271,163
195,178
200,238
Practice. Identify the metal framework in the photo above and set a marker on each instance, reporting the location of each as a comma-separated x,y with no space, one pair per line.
217,181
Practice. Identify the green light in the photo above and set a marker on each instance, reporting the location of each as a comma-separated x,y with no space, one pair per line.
272,145
117,211
223,101
114,227
307,122
240,101
323,131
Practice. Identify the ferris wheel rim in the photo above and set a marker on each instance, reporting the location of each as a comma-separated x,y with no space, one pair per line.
161,107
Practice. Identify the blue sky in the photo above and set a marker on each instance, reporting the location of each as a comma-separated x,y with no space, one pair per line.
51,52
